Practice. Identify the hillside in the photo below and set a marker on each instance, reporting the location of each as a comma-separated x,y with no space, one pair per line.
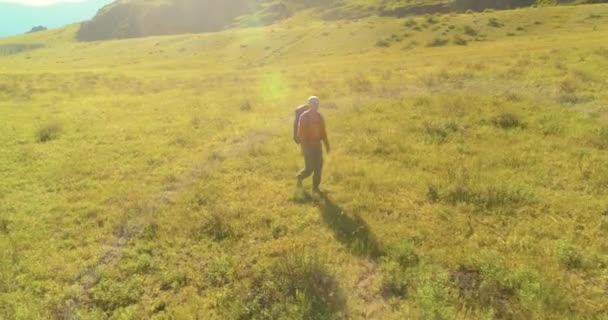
136,18
153,178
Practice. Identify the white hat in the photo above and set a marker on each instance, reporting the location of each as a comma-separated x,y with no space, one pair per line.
313,99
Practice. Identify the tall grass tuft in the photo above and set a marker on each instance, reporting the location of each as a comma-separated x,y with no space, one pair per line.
48,131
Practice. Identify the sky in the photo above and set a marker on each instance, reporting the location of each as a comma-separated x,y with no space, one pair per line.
19,16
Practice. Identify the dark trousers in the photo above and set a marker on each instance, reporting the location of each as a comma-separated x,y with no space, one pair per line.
313,160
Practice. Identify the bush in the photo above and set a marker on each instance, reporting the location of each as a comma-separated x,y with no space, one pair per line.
470,31
493,22
507,121
360,84
215,227
410,23
459,41
47,132
246,105
404,253
568,255
383,44
431,20
38,29
295,287
599,139
437,42
395,280
221,271
3,226
110,294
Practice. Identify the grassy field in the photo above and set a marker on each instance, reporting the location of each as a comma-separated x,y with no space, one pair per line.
155,177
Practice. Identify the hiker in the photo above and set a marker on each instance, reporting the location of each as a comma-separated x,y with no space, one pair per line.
309,132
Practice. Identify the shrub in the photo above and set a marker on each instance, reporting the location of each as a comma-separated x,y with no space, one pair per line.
150,232
440,133
295,287
568,255
599,139
507,121
38,29
215,227
395,280
493,22
457,40
111,294
3,226
383,44
410,23
432,194
47,132
360,84
470,31
431,20
404,254
411,45
246,105
221,271
437,42
491,288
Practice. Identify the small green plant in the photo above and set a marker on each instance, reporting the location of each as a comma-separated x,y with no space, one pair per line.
437,42
48,131
360,84
215,227
468,30
410,23
432,194
3,226
404,253
221,271
246,106
294,287
507,121
383,44
493,22
110,295
150,232
599,138
457,40
395,279
568,255
431,20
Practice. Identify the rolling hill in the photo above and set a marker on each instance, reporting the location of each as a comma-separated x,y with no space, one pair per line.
135,18
153,178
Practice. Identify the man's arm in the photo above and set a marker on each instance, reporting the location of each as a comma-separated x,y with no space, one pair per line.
301,121
296,122
324,135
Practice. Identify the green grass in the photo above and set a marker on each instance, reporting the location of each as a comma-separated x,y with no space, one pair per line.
464,181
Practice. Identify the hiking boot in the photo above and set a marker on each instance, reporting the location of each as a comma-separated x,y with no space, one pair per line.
316,190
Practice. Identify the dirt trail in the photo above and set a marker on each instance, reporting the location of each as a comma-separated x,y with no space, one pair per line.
135,223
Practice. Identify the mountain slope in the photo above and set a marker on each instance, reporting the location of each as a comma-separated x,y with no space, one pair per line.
153,178
133,18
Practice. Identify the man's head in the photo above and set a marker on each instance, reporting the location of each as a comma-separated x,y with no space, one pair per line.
313,103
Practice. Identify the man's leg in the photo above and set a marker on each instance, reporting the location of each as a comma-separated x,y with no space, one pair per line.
318,169
308,166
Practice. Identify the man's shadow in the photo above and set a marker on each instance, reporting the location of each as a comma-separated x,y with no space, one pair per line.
349,229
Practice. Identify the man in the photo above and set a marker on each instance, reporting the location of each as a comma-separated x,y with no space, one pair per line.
310,133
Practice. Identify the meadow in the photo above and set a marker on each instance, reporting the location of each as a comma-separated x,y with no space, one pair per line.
154,178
